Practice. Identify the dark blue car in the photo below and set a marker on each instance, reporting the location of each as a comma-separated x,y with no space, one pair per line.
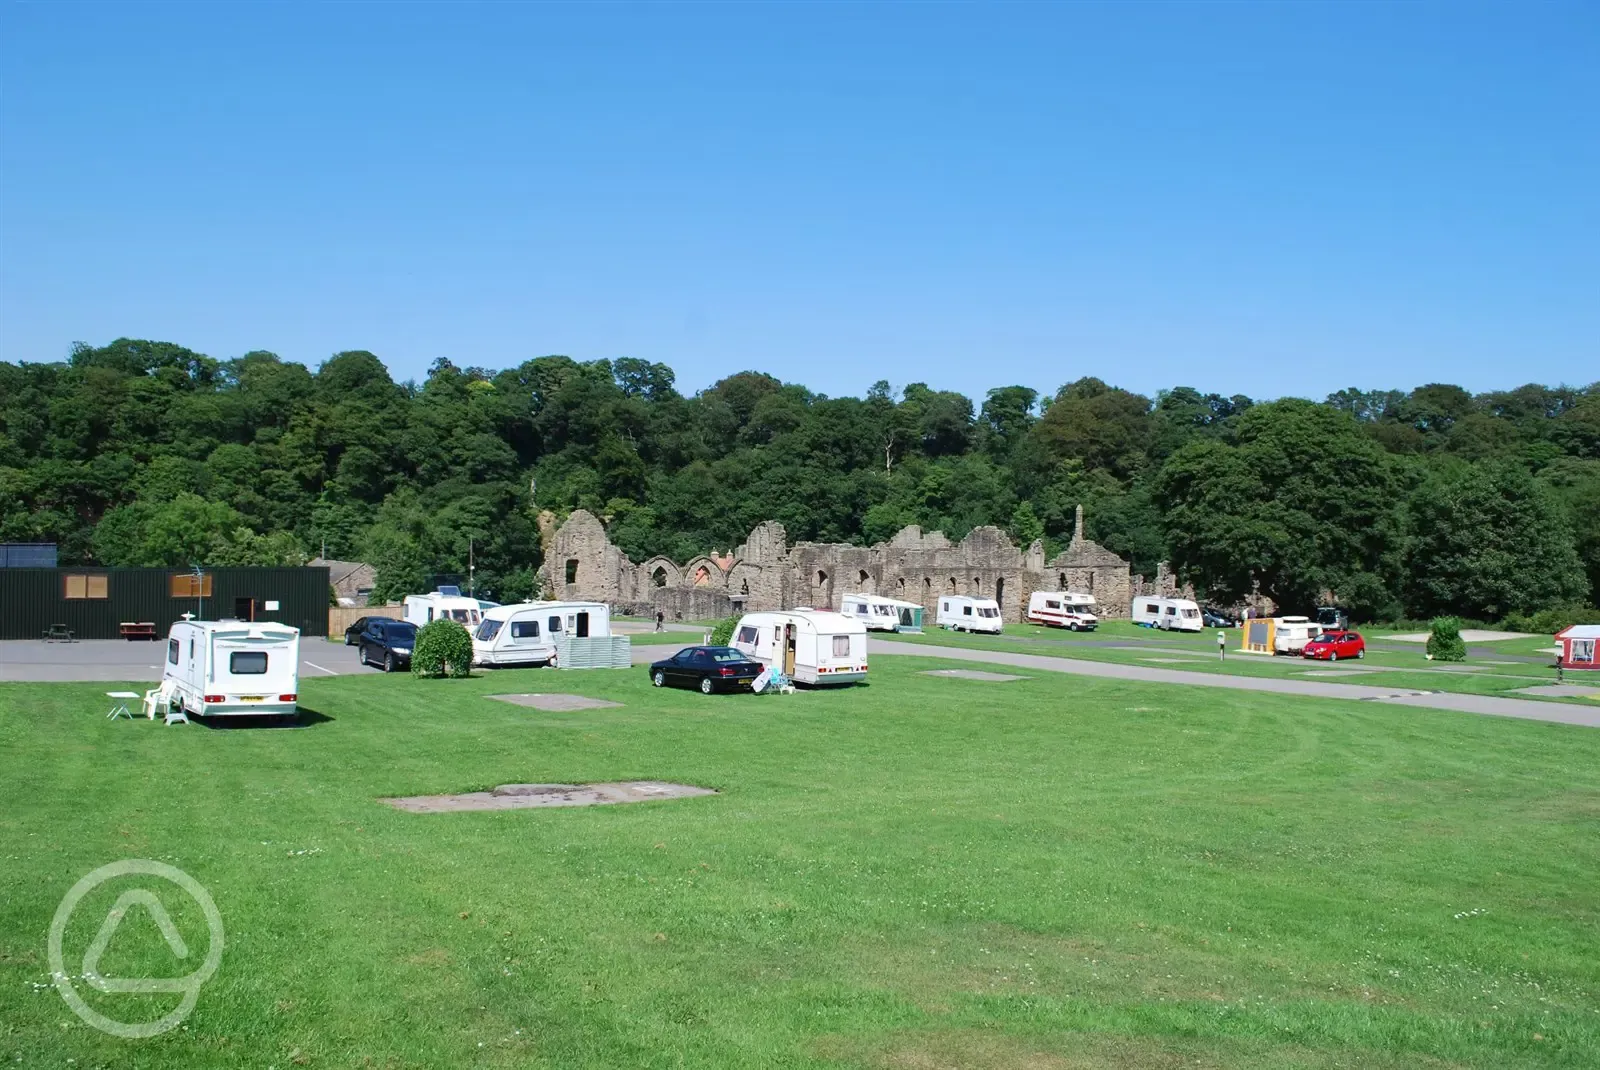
386,644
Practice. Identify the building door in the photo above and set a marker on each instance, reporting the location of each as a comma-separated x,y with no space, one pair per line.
583,626
788,650
244,609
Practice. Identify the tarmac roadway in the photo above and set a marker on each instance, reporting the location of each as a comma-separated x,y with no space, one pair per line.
116,660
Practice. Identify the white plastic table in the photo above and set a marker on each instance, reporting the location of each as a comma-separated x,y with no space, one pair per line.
120,706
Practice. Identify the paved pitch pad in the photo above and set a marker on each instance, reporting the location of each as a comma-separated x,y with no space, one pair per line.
559,703
1335,672
1170,661
974,674
1560,691
533,796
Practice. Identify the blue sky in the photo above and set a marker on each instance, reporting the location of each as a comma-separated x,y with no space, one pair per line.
1260,198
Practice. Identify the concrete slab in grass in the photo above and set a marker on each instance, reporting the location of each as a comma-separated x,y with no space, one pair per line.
1171,661
534,796
1560,691
1335,672
557,703
1470,635
974,674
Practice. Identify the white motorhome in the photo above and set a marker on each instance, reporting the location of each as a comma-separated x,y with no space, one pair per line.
446,603
810,646
882,614
1291,634
1063,609
526,634
232,667
1168,614
964,613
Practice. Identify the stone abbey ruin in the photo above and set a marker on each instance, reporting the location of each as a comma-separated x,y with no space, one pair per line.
766,573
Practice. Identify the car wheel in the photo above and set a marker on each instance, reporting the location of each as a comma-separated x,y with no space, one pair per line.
1072,627
388,663
1360,654
659,679
1333,655
706,686
362,652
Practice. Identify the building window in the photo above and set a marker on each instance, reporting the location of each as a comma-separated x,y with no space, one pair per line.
78,585
572,570
658,577
188,585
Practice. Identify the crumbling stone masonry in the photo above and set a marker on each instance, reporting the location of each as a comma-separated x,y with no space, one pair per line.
767,573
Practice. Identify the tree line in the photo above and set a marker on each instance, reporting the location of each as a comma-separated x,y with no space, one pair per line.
1402,504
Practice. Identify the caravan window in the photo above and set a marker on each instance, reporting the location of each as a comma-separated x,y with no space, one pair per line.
1172,611
1048,604
861,609
172,651
524,629
966,611
988,611
247,662
555,625
747,634
1190,614
841,646
488,630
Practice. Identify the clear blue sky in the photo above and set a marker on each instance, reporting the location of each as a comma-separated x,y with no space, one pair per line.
1265,198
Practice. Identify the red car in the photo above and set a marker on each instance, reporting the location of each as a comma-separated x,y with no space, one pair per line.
1331,646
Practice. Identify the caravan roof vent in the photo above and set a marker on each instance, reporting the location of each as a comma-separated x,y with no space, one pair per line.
449,592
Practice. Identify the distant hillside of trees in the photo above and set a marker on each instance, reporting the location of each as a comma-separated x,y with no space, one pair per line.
1402,503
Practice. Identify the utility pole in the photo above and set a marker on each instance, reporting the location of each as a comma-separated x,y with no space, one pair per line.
472,587
200,592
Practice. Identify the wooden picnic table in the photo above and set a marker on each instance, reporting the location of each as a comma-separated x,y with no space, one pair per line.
137,630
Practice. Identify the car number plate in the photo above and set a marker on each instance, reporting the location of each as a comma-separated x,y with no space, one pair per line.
252,698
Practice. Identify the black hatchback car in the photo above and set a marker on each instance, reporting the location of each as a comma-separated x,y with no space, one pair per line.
387,643
710,668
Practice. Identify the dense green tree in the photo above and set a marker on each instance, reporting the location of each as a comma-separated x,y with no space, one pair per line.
1487,540
144,452
1295,502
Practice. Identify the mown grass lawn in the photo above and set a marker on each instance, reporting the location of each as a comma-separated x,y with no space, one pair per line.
923,872
1398,666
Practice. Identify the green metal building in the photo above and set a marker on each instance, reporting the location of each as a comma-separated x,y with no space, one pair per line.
95,603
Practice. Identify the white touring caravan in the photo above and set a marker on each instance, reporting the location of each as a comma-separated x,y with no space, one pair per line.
446,603
966,614
1063,609
882,614
1168,614
527,634
1291,634
232,668
810,646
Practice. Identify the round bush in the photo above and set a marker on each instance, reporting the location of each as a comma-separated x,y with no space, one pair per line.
1445,642
443,648
722,634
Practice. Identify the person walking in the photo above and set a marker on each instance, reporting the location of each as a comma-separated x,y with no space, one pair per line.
659,618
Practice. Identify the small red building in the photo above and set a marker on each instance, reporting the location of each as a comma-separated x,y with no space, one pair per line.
1578,646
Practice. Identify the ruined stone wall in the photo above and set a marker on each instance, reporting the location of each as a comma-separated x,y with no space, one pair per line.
766,573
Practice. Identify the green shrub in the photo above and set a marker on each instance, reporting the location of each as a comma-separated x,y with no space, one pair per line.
1445,642
443,648
722,634
1551,621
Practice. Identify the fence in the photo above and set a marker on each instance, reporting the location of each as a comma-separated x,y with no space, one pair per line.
341,617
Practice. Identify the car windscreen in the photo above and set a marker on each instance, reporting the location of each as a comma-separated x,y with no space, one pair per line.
399,630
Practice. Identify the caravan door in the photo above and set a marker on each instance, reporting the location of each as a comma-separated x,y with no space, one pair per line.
788,649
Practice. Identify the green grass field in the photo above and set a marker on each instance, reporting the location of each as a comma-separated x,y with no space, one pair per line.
1405,667
920,873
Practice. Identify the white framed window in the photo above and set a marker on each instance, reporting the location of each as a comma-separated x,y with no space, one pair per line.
841,646
1583,650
